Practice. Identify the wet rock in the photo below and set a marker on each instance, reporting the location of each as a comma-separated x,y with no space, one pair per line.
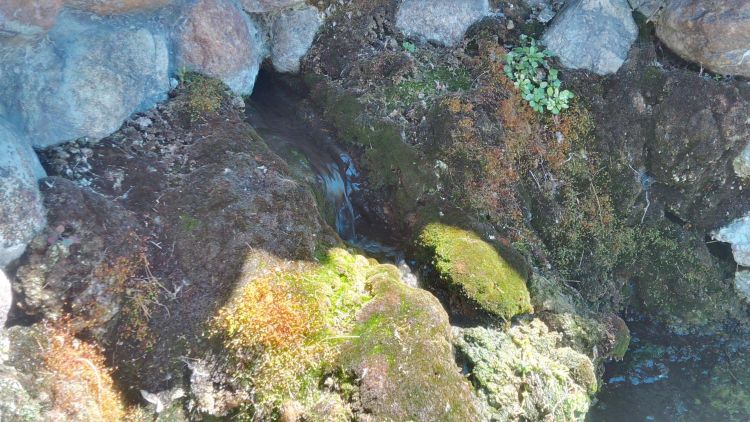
714,34
467,264
525,374
737,233
219,40
83,81
441,21
292,35
81,261
263,6
28,17
21,208
592,34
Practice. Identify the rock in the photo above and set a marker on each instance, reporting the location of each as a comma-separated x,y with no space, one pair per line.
701,127
525,374
21,208
292,35
595,35
649,8
466,263
6,299
441,21
737,233
403,356
714,34
742,284
219,40
85,79
741,163
28,17
264,6
116,7
81,261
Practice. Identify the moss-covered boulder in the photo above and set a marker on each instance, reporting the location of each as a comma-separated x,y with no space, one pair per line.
466,263
403,358
337,340
526,374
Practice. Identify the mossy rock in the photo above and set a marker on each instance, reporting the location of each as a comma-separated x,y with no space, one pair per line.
331,339
472,266
403,358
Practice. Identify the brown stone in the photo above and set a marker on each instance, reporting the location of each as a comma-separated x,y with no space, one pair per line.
714,33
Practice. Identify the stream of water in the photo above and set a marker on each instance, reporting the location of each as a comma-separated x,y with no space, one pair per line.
294,133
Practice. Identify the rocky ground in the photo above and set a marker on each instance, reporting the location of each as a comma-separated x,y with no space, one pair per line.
173,267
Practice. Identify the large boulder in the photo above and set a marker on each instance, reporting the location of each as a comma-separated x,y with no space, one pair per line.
21,210
84,79
292,35
441,21
592,34
218,39
714,34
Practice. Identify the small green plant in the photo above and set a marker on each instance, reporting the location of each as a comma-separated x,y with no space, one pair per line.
527,66
409,46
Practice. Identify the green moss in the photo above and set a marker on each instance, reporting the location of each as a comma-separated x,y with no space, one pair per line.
189,222
467,263
426,86
403,356
678,284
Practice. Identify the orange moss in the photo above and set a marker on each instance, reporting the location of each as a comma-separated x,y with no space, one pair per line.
82,386
268,314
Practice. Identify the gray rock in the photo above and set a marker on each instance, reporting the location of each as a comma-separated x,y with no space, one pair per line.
22,213
218,39
292,35
84,79
28,17
441,21
737,233
714,34
592,34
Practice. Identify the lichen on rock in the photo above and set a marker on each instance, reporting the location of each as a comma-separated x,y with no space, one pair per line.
525,374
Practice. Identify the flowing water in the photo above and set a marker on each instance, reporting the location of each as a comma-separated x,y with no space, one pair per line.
284,120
